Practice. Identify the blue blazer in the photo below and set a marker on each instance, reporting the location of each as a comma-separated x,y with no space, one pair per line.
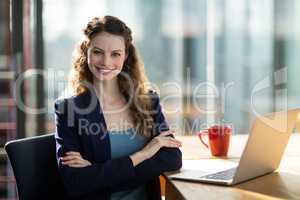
80,126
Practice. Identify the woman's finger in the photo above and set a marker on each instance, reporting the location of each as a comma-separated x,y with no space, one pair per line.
168,141
176,141
76,161
73,153
65,158
76,166
174,144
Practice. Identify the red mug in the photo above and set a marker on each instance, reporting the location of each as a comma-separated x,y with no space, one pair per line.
219,139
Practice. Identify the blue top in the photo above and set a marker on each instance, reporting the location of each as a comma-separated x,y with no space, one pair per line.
125,143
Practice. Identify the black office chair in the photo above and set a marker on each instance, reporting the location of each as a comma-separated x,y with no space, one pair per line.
34,165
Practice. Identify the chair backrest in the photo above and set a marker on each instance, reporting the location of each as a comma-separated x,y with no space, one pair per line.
35,169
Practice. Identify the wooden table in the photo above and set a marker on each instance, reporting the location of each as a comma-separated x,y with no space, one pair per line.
282,184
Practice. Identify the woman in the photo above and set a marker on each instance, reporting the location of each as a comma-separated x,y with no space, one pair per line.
112,138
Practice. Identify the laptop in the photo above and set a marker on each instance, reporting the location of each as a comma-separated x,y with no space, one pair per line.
262,154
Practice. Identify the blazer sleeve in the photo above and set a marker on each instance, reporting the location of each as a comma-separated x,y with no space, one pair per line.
166,159
93,178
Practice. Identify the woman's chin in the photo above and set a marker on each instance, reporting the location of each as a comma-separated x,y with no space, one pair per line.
107,77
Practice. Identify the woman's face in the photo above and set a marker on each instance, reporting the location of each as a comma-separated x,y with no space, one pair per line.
106,56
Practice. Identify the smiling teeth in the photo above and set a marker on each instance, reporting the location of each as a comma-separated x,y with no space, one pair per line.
103,70
106,70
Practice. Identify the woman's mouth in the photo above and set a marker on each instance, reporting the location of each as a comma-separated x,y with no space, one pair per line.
104,71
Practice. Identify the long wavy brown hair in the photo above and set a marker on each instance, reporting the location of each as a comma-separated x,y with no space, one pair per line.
132,79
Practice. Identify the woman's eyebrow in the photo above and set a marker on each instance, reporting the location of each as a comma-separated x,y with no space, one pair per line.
115,50
94,47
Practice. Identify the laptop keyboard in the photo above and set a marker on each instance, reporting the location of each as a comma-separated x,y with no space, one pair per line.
223,175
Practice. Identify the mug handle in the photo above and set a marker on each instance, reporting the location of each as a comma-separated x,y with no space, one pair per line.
200,137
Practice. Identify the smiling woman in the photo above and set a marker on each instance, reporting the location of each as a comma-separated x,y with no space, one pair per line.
112,138
108,61
106,55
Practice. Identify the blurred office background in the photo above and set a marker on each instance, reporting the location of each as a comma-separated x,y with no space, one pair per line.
210,60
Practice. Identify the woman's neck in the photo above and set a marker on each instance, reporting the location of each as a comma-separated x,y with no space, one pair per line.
107,90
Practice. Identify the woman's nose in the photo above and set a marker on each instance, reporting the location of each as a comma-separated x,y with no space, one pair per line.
105,61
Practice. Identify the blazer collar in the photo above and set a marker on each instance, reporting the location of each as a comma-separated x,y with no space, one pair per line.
94,115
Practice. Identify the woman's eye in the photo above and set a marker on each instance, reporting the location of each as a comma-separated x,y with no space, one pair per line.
116,54
96,52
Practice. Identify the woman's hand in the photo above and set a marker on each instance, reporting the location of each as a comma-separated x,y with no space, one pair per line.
162,140
74,159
